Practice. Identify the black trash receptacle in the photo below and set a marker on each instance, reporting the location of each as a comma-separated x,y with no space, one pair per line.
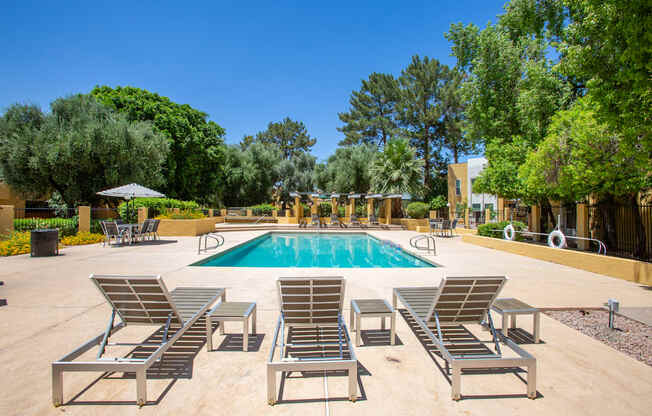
44,242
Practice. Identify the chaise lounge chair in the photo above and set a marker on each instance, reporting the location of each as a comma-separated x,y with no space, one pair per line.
442,313
335,220
314,221
354,221
138,300
317,339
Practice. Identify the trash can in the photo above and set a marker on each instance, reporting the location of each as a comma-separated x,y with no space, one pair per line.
44,242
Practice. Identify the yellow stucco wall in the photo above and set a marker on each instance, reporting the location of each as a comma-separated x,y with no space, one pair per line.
456,171
632,270
188,227
8,197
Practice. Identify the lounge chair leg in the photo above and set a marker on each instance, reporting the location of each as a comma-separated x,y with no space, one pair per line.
532,381
221,327
271,386
245,334
253,322
505,329
392,329
57,386
352,320
457,382
141,387
353,382
537,327
382,323
358,332
512,324
209,333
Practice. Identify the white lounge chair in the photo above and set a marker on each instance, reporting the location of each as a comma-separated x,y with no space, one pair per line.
317,338
137,300
441,313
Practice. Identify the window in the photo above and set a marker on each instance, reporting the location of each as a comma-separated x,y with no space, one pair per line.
489,206
458,187
476,207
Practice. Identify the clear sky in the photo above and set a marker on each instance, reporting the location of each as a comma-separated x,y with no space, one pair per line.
243,63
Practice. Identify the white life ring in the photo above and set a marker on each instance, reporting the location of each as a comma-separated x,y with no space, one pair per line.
560,237
509,233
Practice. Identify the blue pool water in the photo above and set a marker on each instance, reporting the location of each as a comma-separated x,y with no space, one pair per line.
315,250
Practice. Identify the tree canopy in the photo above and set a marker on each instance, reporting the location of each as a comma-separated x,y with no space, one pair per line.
290,136
194,166
396,169
372,116
347,170
78,149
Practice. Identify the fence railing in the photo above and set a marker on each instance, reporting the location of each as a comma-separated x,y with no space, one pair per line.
65,219
625,230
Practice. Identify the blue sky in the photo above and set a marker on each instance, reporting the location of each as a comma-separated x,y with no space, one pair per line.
243,63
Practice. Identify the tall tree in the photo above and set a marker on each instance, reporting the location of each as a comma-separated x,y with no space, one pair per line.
347,170
194,167
253,173
290,136
296,174
397,170
372,116
453,105
420,112
78,149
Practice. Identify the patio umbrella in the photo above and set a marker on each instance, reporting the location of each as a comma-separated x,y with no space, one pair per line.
131,191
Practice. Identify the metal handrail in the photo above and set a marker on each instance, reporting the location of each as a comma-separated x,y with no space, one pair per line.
261,218
602,248
219,240
414,240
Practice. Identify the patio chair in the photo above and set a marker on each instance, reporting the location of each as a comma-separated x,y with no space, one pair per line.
335,220
445,228
317,338
355,221
143,230
138,300
441,312
314,220
154,229
453,226
111,231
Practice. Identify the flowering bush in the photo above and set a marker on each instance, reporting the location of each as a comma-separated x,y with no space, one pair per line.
186,214
17,243
82,238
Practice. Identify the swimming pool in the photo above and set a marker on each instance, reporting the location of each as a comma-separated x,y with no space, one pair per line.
340,250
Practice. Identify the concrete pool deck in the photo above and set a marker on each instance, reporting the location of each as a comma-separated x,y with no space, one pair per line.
53,308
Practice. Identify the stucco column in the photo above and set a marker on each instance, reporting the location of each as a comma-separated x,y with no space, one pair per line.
6,219
508,213
535,219
370,208
274,213
298,211
582,226
487,215
142,214
250,212
466,217
223,212
334,207
314,209
501,209
388,211
210,213
432,214
351,206
84,213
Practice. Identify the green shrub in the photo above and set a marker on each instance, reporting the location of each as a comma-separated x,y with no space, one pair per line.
341,211
417,210
495,229
185,214
361,210
158,206
262,209
325,209
66,226
438,202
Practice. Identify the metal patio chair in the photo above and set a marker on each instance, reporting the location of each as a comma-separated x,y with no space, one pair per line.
335,220
441,312
111,231
317,338
314,221
355,221
137,300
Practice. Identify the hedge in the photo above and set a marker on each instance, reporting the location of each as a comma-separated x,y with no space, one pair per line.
262,209
495,229
159,205
417,210
66,226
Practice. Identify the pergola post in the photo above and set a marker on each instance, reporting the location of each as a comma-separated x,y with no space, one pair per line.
314,209
351,206
334,207
298,211
388,211
370,208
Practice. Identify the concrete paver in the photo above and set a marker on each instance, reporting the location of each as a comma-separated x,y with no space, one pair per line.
53,308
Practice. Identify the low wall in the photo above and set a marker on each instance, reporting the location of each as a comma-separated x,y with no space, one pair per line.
632,270
188,227
412,224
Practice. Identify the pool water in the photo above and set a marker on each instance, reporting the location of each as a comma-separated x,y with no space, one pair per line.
315,250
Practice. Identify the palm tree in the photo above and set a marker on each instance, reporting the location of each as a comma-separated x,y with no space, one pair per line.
397,170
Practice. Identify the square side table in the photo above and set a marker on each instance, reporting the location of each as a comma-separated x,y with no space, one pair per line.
510,308
232,311
367,308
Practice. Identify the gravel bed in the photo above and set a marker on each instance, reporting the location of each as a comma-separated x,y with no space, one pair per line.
631,337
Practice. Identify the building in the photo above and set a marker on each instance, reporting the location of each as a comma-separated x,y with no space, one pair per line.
461,177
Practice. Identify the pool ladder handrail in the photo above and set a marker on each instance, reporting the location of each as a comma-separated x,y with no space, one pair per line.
219,240
429,238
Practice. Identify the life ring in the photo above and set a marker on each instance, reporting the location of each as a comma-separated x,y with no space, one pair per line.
560,237
509,233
